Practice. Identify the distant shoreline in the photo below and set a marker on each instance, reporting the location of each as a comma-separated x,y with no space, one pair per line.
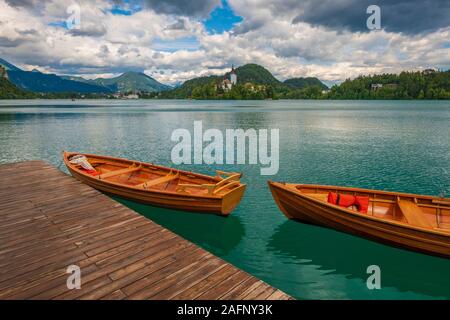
210,100
249,82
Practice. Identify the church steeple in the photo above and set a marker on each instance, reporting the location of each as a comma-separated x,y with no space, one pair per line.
233,76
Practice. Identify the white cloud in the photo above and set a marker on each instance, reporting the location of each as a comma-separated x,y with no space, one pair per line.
108,44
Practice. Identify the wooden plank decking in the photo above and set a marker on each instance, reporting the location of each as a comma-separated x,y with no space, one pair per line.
49,220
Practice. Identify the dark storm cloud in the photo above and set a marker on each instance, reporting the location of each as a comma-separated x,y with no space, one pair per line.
90,30
406,16
9,43
21,3
28,32
247,26
183,7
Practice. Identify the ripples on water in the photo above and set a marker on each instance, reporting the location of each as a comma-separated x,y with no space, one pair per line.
400,146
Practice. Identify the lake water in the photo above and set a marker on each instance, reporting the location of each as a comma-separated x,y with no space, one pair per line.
399,146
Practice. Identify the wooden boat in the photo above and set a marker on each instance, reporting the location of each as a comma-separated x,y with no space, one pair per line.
415,222
160,186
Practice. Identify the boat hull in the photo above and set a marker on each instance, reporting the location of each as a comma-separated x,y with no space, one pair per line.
304,209
221,206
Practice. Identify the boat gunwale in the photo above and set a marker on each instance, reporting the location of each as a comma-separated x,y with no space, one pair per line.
284,186
67,154
394,193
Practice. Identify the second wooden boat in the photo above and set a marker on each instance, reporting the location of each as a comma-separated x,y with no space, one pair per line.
415,222
157,185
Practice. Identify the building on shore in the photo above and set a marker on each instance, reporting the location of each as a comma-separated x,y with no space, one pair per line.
131,96
233,76
428,71
226,84
121,95
376,86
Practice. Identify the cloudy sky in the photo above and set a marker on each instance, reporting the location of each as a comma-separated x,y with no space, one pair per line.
175,40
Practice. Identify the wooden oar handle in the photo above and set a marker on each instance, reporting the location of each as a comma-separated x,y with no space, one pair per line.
212,188
234,177
231,184
220,173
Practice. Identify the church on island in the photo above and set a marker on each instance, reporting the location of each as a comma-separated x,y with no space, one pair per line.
227,84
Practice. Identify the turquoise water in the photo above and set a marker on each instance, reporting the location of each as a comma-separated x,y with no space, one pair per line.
400,146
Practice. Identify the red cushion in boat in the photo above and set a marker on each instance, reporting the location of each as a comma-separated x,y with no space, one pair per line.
342,200
362,203
91,172
347,200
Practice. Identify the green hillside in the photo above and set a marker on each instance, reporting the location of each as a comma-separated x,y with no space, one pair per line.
255,74
253,82
185,91
205,87
301,83
10,91
406,85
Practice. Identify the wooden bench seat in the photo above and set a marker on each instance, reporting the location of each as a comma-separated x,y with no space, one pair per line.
319,196
231,181
441,202
119,172
413,214
150,183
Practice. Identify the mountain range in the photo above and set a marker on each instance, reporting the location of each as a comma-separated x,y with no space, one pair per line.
253,82
128,81
36,81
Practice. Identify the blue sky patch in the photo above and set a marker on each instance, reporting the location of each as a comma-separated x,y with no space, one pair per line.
187,43
60,24
126,8
221,19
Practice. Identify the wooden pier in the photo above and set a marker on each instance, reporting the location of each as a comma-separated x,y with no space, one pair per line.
49,221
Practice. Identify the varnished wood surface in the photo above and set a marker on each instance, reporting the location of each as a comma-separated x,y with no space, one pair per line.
414,222
50,220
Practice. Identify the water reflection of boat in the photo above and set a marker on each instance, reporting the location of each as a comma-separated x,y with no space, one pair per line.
350,256
213,233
